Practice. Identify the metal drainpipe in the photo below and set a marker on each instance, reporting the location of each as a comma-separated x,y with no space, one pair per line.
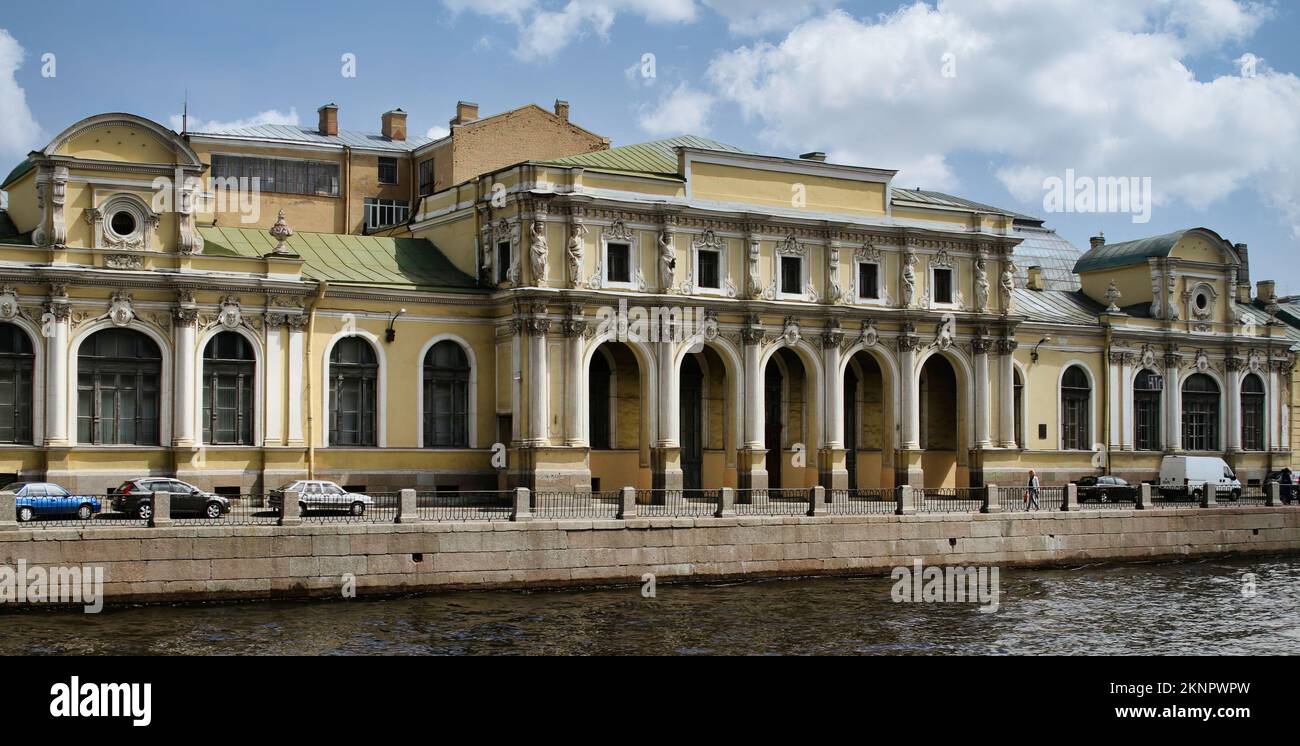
322,287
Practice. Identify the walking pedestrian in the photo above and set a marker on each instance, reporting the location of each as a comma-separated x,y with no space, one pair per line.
1031,491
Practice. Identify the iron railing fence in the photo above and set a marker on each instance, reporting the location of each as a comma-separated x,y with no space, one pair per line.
581,505
770,501
1021,499
469,505
882,501
949,500
248,509
382,507
1173,497
678,503
1252,494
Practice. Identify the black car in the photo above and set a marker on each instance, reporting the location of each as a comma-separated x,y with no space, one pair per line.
135,498
1106,490
1288,490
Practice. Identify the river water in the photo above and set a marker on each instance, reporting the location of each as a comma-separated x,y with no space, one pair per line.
1183,607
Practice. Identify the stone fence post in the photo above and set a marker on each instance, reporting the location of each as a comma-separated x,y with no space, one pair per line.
817,501
8,511
406,507
1208,495
1272,492
162,510
1144,497
290,511
523,506
992,503
627,503
906,500
726,503
1070,498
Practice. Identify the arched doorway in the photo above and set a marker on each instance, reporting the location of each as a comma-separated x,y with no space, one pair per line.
939,422
692,424
615,418
788,420
1200,413
867,429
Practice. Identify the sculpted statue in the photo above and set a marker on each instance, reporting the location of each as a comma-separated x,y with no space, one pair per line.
833,292
538,250
667,261
909,279
573,253
981,284
1008,285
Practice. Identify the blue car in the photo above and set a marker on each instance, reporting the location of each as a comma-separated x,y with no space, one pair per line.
47,499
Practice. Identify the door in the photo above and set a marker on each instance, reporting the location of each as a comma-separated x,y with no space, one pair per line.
692,424
772,433
185,498
851,427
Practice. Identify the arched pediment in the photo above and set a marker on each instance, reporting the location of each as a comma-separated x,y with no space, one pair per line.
124,137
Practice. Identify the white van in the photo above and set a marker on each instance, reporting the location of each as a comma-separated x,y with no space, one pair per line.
1191,473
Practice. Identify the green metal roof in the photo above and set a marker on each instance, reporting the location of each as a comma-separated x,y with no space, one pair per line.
1111,256
657,157
927,197
19,170
374,261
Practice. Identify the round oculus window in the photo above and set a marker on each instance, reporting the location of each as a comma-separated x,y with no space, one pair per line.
1202,301
122,223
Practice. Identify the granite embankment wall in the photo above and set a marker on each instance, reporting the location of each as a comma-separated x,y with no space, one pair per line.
178,563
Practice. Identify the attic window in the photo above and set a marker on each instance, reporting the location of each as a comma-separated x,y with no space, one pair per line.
122,223
1202,301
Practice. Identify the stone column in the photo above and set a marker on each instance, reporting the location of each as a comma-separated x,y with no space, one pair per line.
1173,403
981,345
56,325
538,400
1234,403
1007,399
297,387
908,469
185,385
832,469
666,456
1128,430
574,430
751,464
1114,400
1273,412
273,382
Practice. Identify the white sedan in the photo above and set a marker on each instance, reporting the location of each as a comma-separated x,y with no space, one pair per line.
315,494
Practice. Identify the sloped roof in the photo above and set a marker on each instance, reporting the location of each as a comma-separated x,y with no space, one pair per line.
375,261
19,171
939,199
292,133
1057,306
658,157
1043,247
9,232
1111,256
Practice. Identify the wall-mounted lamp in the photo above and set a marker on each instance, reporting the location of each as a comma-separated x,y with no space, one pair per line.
1033,355
390,334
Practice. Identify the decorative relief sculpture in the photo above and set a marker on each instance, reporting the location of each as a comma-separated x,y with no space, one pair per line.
8,303
909,279
1112,295
755,288
231,316
834,295
281,232
1156,283
981,283
667,260
123,261
538,250
120,311
1008,286
573,253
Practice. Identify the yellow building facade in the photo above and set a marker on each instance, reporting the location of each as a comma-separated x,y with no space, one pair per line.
244,308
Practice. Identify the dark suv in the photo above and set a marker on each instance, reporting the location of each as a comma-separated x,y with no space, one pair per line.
135,497
1106,489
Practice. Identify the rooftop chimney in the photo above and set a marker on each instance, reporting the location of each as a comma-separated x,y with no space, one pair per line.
329,119
1098,240
1035,281
1243,274
394,124
1266,290
816,155
465,113
562,109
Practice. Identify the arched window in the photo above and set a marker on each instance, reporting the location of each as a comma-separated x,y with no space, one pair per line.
1252,413
1075,394
17,364
354,378
598,402
1146,410
1200,413
228,373
446,396
119,373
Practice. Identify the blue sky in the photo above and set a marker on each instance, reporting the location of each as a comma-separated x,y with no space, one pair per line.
1112,88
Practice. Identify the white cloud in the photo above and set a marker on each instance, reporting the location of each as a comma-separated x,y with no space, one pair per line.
19,132
1099,86
270,116
758,17
545,30
437,133
683,111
